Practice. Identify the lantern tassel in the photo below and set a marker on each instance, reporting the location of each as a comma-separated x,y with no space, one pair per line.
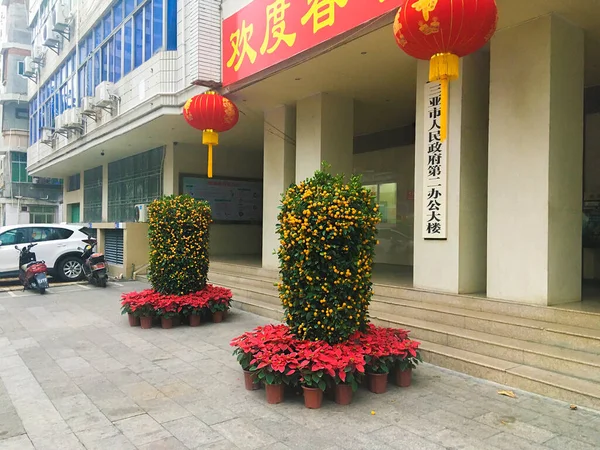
210,149
444,67
210,138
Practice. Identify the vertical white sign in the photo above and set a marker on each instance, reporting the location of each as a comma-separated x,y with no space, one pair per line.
435,165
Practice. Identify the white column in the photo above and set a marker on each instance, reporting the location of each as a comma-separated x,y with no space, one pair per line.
457,264
325,132
279,167
170,176
536,162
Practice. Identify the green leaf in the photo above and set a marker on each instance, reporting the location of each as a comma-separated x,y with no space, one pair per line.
270,378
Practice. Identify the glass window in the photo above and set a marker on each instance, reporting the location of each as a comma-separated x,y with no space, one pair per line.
92,195
111,59
96,69
129,6
171,24
39,234
117,13
117,55
89,79
104,69
18,167
83,50
106,25
147,31
157,26
13,237
138,21
74,182
127,42
97,35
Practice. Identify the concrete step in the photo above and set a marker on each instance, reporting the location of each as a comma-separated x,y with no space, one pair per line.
555,315
540,381
235,279
570,337
573,363
259,308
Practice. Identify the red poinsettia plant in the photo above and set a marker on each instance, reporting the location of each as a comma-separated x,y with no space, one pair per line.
279,357
150,303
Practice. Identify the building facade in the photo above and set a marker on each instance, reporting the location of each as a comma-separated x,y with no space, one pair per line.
110,81
23,198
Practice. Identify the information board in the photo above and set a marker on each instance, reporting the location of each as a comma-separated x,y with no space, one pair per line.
231,201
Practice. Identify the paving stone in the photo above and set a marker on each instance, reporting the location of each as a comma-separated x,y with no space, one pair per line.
192,432
508,441
510,425
163,409
471,428
208,414
142,429
106,438
66,441
164,444
17,443
80,413
244,434
565,443
10,423
399,438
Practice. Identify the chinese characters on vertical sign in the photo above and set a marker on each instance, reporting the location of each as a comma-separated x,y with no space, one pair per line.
436,160
267,32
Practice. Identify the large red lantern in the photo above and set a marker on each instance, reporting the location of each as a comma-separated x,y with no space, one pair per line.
442,31
213,114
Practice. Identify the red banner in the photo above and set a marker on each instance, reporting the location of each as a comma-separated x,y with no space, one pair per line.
267,32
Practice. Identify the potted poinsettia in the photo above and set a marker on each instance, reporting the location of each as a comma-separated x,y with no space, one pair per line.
194,308
405,363
146,312
167,308
378,369
275,370
134,319
218,308
313,384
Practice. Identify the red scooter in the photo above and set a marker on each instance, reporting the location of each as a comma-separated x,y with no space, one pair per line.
32,273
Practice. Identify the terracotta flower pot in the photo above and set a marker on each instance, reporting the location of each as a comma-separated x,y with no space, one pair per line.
377,382
134,321
195,320
146,322
250,380
343,394
313,397
166,323
217,316
403,377
274,393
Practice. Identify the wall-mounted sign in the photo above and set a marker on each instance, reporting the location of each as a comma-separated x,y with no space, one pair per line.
435,166
231,200
266,32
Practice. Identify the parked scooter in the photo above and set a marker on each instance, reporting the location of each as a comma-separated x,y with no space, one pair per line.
32,273
95,268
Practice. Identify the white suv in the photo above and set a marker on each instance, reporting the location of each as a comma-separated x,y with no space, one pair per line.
57,246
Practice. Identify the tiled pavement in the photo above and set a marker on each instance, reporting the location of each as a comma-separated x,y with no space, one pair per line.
73,375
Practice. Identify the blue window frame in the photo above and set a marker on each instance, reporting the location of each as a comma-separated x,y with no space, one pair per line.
157,26
126,36
147,31
138,41
129,7
117,14
127,46
117,55
171,24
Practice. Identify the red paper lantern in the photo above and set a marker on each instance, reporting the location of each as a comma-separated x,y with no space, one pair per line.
213,114
442,31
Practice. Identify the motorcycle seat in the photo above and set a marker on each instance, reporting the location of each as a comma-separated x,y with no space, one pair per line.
29,264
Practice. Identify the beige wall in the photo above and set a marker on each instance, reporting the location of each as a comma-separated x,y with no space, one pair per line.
191,159
135,247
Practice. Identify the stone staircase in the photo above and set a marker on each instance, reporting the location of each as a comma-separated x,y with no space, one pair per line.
549,351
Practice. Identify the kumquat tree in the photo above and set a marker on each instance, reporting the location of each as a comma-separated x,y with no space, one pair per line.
328,232
178,233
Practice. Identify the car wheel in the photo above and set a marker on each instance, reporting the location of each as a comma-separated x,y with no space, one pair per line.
70,269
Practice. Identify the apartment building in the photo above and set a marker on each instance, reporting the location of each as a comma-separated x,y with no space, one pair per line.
23,198
108,79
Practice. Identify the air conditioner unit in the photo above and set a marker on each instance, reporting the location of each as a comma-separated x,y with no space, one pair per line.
88,104
60,18
72,118
49,37
59,122
105,94
28,67
141,213
47,136
38,56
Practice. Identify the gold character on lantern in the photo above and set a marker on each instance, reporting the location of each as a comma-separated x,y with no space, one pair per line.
426,7
322,13
240,42
276,27
427,29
